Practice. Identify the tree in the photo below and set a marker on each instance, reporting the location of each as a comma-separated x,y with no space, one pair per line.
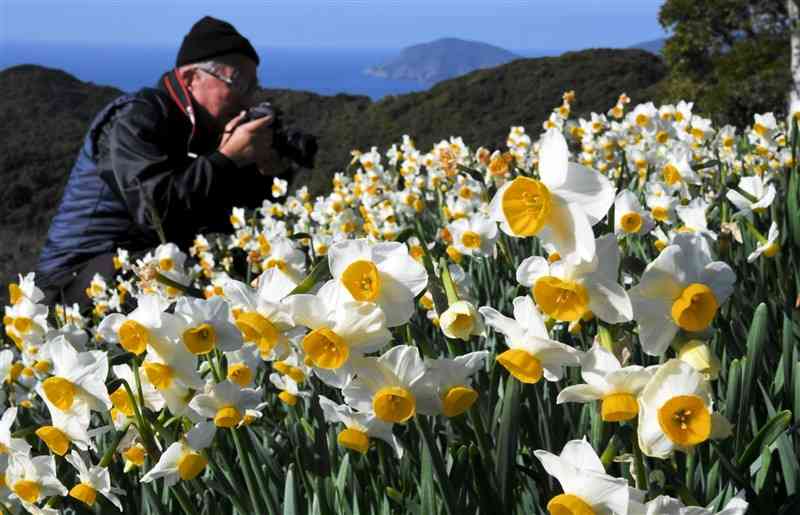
730,56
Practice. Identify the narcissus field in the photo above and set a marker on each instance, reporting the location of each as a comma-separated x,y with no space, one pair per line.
599,318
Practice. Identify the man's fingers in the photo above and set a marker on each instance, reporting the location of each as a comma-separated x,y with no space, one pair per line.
257,124
231,125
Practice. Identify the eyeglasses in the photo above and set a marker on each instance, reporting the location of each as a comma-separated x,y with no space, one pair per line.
241,88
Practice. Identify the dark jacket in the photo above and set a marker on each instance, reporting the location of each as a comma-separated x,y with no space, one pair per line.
143,150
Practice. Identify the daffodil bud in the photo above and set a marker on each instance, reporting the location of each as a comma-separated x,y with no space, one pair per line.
700,356
461,321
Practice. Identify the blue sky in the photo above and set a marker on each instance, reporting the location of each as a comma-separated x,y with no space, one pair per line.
513,24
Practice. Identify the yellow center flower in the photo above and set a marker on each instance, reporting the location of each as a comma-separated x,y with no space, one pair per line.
772,250
660,213
631,222
559,299
227,416
471,240
354,439
122,402
568,504
240,374
362,280
256,328
135,455
14,294
190,465
394,404
60,391
133,336
671,174
27,490
695,308
325,348
521,364
159,374
685,420
23,324
201,339
617,407
288,398
56,440
85,493
166,264
457,400
526,205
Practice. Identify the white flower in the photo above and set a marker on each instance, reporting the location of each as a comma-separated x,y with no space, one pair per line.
93,479
391,386
587,488
225,403
569,289
237,218
676,411
25,288
561,208
461,321
531,352
279,187
475,235
340,331
182,460
147,325
770,247
77,377
288,387
170,260
286,257
665,505
606,380
450,381
208,325
693,216
681,289
382,273
33,479
761,195
359,427
9,445
629,217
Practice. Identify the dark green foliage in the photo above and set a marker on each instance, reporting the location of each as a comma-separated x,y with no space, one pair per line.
731,57
45,113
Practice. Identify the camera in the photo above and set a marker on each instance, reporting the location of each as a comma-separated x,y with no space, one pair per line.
298,147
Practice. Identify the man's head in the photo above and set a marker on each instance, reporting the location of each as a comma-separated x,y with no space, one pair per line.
219,68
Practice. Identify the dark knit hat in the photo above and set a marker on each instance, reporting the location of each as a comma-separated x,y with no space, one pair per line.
210,38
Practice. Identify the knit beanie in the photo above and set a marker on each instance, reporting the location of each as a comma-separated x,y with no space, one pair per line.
210,38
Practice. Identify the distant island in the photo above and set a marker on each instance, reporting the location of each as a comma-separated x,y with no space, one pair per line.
441,59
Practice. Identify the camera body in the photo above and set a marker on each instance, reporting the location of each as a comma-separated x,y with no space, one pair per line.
298,147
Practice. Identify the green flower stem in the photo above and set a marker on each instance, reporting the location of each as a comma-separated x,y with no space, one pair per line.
187,290
246,470
438,464
109,454
186,506
447,281
144,428
640,474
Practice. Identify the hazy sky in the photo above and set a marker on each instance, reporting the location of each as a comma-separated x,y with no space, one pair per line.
513,24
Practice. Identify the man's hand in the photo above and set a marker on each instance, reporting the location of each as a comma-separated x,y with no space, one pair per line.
249,142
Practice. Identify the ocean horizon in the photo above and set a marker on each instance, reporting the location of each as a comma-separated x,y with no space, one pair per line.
325,71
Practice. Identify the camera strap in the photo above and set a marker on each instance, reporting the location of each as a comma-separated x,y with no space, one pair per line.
180,95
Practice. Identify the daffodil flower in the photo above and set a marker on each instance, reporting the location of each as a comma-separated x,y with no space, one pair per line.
676,411
681,289
290,391
461,320
286,257
561,207
531,354
119,397
208,325
76,377
339,331
392,386
260,315
25,288
359,427
569,289
382,273
147,325
173,376
93,480
761,195
629,217
475,235
243,365
608,381
769,248
33,479
65,429
183,459
25,323
450,381
587,488
225,403
9,445
665,505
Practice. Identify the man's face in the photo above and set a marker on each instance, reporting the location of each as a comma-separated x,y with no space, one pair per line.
221,100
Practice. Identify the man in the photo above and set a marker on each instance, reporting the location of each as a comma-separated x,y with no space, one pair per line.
174,159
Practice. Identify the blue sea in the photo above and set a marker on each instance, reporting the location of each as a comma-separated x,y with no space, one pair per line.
325,71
